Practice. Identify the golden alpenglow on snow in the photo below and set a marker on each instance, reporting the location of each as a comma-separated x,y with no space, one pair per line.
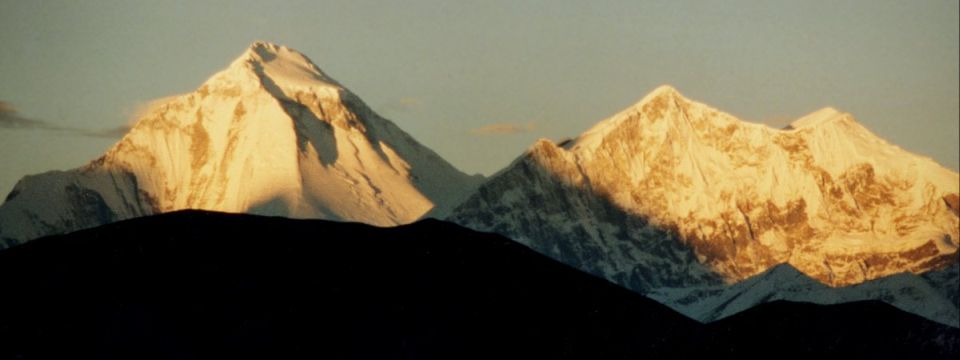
272,134
672,194
480,179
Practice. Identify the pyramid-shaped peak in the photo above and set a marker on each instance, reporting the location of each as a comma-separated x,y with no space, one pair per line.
816,118
662,92
665,89
262,52
281,67
265,45
785,270
662,96
651,105
266,52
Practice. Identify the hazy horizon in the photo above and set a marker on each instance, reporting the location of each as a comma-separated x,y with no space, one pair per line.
479,83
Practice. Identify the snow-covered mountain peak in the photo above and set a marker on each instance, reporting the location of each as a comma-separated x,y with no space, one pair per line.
742,196
266,47
280,75
785,270
656,104
673,193
660,104
270,134
662,91
818,117
282,71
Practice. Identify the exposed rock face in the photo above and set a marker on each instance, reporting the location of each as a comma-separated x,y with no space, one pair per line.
272,134
953,202
698,196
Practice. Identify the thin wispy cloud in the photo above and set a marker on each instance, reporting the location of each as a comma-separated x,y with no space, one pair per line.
10,119
504,129
111,133
401,105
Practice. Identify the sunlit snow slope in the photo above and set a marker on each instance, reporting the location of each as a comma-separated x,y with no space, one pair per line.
671,193
272,134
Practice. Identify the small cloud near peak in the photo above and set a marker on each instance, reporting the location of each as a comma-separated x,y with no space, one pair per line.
504,129
111,133
6,108
10,119
401,105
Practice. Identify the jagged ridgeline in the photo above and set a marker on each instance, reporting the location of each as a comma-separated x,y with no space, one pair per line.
672,193
670,197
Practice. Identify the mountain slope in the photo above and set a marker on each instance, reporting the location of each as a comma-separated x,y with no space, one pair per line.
908,292
673,193
195,284
271,134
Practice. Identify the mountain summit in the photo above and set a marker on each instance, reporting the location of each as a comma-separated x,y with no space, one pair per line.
271,134
674,193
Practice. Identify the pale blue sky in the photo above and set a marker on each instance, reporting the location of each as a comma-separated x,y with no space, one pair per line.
442,69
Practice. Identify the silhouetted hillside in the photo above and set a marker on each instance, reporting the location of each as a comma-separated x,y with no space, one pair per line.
208,285
856,329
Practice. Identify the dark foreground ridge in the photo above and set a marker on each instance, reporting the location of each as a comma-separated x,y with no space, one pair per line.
197,284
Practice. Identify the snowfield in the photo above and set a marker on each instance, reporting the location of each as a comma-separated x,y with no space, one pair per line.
673,198
272,134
